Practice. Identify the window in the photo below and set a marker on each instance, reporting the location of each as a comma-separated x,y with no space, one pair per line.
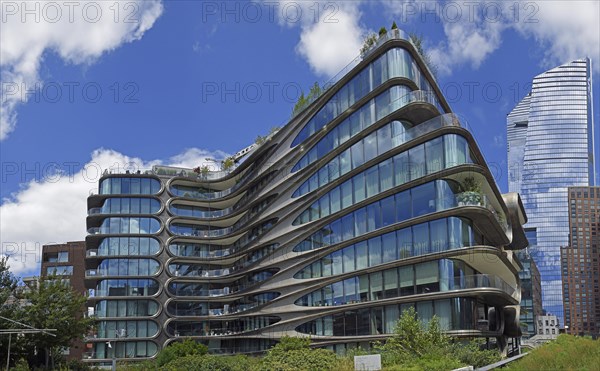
61,270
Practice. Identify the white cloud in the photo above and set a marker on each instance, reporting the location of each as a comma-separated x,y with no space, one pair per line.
54,209
330,37
79,32
566,30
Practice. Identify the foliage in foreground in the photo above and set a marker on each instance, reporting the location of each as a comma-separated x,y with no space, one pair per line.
296,354
413,346
49,303
420,347
568,352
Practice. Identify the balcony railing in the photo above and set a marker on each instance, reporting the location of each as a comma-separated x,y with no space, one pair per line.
471,198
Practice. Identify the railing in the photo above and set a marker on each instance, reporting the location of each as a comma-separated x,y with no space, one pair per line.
482,281
94,230
201,232
95,210
92,253
189,173
471,198
234,310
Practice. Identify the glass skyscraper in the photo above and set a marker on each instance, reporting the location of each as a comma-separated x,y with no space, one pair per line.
550,138
374,198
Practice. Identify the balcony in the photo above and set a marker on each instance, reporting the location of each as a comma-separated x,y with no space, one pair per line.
94,230
471,198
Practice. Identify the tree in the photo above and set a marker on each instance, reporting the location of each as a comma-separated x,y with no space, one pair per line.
8,284
369,41
180,349
415,344
394,26
52,303
382,31
417,41
227,163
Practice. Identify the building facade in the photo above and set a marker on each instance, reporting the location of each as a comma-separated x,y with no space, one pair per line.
372,199
548,326
531,290
581,263
550,136
67,260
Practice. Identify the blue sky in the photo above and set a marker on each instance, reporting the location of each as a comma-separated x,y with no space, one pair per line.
162,75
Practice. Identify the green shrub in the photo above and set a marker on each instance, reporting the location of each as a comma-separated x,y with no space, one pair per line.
295,354
472,354
180,349
566,353
301,359
211,363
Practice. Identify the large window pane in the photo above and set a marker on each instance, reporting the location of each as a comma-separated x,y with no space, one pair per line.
389,247
358,183
390,283
421,239
375,253
438,233
417,162
401,169
423,199
434,151
376,285
386,177
370,144
362,257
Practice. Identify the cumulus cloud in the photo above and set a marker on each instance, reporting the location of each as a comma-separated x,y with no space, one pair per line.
79,32
565,30
54,209
331,34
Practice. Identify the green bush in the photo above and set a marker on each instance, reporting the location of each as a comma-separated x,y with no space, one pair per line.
566,353
211,363
415,345
295,354
472,354
180,349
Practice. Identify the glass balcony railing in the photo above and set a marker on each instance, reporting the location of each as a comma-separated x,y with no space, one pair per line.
190,173
471,198
476,281
95,272
232,310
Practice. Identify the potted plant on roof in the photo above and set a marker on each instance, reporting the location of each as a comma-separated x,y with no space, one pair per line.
470,194
227,164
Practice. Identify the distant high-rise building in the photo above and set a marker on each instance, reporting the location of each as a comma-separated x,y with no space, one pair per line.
67,260
581,263
551,147
531,287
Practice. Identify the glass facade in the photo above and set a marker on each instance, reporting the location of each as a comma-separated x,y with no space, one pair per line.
427,158
356,221
129,186
431,276
421,200
550,133
425,238
396,62
454,314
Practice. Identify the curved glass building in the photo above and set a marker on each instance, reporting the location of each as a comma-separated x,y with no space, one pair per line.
550,137
372,199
